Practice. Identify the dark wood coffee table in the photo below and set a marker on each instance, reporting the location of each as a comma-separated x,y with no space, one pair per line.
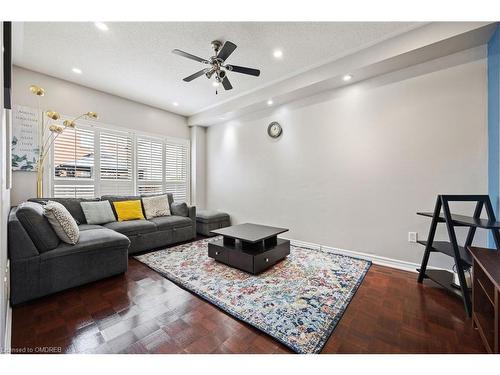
249,247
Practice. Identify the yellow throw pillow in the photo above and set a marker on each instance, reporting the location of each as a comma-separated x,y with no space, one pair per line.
128,210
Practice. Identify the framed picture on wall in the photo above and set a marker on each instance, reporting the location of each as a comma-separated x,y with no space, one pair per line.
24,139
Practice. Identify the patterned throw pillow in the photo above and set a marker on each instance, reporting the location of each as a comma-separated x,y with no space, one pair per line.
62,222
156,206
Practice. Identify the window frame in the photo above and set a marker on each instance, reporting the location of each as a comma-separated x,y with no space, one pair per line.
97,127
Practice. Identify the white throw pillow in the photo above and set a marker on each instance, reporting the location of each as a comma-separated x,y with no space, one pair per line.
156,206
62,222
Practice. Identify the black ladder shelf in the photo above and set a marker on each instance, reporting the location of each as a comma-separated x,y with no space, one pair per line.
460,254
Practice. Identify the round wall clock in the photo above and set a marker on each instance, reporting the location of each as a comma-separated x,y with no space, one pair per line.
274,129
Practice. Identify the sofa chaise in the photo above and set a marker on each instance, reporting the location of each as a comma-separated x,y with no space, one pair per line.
41,264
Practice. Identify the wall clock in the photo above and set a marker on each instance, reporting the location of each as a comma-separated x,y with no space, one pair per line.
274,129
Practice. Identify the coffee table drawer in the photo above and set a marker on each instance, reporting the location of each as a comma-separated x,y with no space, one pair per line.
240,260
271,257
249,261
218,253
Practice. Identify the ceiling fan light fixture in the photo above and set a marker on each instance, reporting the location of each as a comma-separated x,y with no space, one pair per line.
221,75
215,84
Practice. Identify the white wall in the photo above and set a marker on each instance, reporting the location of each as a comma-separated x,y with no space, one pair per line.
198,166
72,99
354,165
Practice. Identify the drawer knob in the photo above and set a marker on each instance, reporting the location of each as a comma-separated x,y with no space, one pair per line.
267,260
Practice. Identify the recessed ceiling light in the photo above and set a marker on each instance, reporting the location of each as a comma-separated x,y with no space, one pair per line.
101,26
76,70
215,84
347,77
278,54
175,104
270,102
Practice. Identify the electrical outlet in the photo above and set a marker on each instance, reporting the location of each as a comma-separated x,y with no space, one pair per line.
412,237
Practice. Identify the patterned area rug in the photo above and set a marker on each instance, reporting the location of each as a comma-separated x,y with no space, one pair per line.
299,301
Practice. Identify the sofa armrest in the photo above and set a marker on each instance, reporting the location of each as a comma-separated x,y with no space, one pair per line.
192,216
20,245
192,213
182,209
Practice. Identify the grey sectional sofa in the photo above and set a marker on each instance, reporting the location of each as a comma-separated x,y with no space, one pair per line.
41,264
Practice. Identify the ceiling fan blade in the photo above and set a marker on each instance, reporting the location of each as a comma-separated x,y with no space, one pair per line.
244,70
189,56
195,75
226,50
227,85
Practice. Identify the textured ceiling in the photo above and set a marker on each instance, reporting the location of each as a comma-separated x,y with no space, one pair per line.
134,59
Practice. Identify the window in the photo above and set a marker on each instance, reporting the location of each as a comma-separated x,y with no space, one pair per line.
115,155
149,166
176,170
73,156
92,161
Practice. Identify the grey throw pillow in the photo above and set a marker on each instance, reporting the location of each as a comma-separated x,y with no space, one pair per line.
62,222
98,212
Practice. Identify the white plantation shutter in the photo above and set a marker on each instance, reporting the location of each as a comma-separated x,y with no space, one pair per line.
149,166
74,191
92,161
177,170
73,161
115,163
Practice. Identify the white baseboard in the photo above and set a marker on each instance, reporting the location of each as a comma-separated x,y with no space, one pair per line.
375,259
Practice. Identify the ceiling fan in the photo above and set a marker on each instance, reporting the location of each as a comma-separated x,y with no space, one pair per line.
217,65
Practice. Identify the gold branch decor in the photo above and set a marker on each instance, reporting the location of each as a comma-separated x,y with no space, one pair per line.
48,131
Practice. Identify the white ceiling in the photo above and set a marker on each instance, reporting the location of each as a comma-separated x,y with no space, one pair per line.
134,59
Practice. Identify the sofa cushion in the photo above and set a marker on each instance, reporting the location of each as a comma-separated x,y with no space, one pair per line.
132,227
180,209
156,206
118,198
71,204
90,240
209,216
169,222
62,222
20,245
30,214
83,227
98,212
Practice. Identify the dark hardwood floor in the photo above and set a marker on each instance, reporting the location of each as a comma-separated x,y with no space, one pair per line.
142,312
